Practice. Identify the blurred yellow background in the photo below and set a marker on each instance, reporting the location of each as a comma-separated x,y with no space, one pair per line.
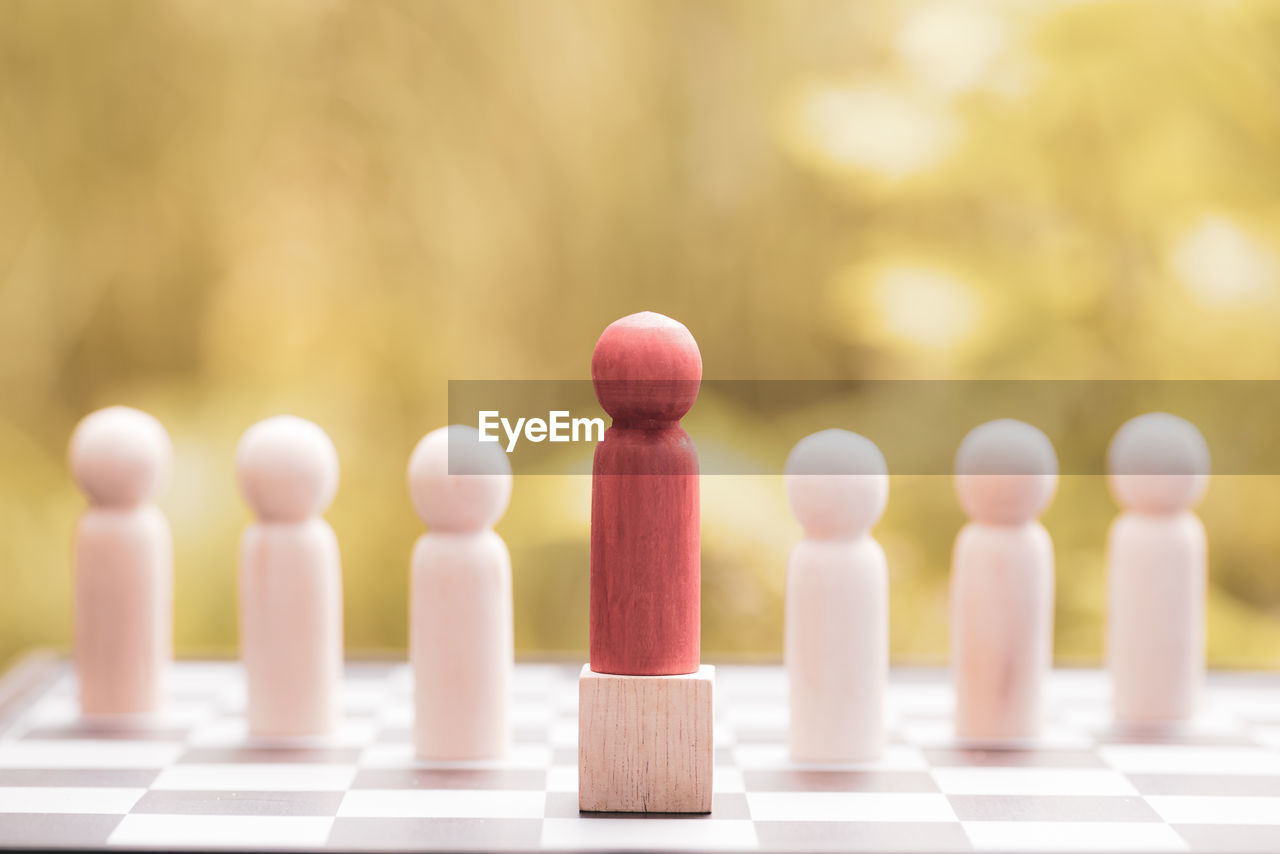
216,212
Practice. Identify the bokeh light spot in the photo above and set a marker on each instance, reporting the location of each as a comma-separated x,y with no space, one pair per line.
1221,264
951,47
872,129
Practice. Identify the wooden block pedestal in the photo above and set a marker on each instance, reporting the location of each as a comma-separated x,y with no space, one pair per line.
645,742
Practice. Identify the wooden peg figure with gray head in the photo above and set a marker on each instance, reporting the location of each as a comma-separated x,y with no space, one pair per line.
1002,582
837,601
1158,470
461,645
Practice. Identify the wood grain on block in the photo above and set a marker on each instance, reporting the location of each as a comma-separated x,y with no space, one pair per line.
461,646
837,600
290,580
123,563
1002,582
645,578
1158,469
645,743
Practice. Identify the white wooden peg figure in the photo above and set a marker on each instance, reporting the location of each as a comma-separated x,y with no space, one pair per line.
290,579
461,644
1158,469
1002,582
123,558
837,606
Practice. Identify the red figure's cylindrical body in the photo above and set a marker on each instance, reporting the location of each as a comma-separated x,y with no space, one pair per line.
645,578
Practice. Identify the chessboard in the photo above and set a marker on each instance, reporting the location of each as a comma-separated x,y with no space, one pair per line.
191,778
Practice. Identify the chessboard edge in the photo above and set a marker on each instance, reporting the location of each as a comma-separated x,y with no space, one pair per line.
25,680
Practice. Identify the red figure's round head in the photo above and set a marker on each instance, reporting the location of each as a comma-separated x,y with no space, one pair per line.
646,367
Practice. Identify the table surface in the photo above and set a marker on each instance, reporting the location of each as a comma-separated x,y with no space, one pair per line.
192,777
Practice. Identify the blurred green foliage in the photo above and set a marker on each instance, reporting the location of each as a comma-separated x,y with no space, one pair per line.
217,212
